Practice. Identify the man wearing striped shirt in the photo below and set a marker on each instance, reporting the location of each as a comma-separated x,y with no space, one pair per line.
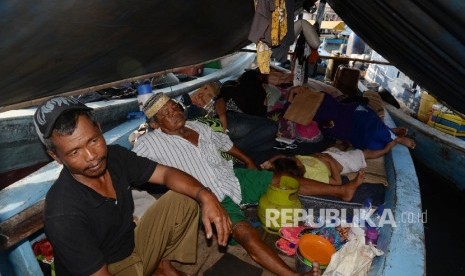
194,148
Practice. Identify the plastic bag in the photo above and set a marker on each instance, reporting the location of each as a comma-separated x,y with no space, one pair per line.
354,258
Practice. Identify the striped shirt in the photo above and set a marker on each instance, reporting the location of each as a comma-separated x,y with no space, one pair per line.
203,162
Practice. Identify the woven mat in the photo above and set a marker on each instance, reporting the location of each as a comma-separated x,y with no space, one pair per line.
374,172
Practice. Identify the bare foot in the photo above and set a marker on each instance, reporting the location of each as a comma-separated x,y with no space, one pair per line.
409,143
165,268
400,131
353,185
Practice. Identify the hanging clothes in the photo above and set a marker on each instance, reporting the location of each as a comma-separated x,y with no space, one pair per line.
280,53
260,28
269,28
278,23
300,61
263,57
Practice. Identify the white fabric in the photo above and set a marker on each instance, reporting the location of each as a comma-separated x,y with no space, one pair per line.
202,162
351,160
353,259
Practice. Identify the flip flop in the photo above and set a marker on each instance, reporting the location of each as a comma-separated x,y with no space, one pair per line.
286,246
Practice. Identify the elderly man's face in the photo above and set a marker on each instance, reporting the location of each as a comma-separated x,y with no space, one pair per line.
203,97
170,117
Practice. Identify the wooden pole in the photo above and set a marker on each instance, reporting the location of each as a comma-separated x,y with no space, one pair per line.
356,59
335,57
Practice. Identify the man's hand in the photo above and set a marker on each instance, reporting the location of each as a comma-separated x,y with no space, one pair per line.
236,152
267,165
213,212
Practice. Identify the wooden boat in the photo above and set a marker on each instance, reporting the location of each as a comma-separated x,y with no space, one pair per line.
71,48
403,245
438,151
17,138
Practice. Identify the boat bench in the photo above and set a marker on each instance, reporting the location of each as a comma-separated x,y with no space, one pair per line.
22,204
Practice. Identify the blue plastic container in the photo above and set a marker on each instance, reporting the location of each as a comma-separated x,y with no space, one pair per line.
144,91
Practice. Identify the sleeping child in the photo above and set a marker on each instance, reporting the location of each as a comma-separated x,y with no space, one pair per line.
327,166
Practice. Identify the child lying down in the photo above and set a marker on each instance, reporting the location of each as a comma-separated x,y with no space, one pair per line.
327,166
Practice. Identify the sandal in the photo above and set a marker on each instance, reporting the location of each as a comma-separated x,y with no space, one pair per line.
286,246
291,234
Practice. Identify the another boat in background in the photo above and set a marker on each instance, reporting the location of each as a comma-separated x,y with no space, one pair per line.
438,137
17,132
440,152
74,47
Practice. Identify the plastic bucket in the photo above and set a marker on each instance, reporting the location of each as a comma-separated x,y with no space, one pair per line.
301,264
144,91
144,88
426,104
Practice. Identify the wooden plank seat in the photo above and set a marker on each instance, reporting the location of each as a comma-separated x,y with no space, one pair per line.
21,225
22,203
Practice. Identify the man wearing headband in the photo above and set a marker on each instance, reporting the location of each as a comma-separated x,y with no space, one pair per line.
89,209
194,148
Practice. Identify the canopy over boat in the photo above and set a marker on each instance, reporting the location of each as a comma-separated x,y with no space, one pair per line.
51,47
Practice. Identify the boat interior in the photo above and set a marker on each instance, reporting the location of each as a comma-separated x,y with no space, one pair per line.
76,48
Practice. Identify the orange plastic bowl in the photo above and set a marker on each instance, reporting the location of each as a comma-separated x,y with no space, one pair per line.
316,248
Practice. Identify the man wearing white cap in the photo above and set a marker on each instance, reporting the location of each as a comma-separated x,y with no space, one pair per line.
194,148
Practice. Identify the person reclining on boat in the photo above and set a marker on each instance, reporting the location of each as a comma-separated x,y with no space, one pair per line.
88,214
358,124
326,167
251,133
194,148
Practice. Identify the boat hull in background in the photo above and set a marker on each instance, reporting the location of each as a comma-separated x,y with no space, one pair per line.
438,151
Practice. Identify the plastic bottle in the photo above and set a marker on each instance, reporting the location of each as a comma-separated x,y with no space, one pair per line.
365,212
371,236
377,216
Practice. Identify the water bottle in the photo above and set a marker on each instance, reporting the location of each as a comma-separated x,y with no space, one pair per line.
377,216
365,213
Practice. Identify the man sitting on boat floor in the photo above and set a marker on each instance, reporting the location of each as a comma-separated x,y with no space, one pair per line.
194,148
89,209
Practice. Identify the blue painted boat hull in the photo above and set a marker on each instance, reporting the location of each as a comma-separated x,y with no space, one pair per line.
403,245
440,152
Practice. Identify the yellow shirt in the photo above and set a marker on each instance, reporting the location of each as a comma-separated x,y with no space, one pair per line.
314,168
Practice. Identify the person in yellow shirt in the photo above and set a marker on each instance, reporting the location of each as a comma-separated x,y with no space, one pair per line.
320,167
326,167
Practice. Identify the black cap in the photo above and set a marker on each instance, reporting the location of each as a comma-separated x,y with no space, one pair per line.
48,112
